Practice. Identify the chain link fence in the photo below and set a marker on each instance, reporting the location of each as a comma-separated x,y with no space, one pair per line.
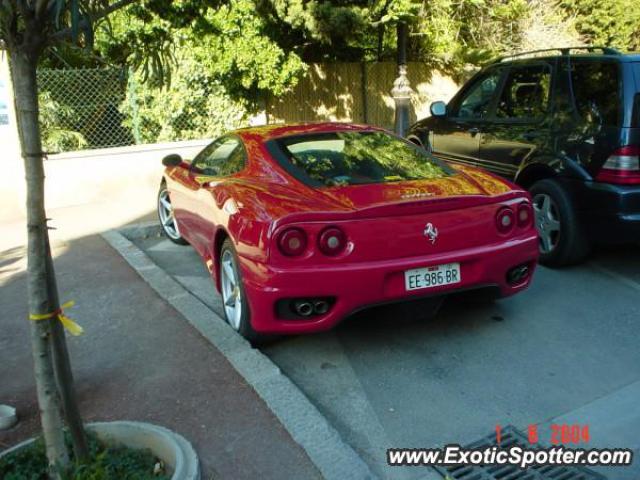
108,107
80,108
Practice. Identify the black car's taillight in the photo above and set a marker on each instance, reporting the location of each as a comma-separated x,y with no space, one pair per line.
622,167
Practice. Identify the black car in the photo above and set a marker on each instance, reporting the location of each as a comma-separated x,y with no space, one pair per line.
565,124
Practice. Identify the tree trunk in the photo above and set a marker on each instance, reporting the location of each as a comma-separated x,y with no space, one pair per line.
62,368
23,74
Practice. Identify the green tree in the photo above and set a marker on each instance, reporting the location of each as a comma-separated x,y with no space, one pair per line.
613,23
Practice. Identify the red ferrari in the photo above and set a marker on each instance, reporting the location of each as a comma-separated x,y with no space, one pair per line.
302,225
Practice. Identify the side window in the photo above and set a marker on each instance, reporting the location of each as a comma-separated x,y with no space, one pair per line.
525,95
596,91
477,100
223,157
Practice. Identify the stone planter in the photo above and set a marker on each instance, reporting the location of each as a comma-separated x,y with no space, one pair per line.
174,450
8,417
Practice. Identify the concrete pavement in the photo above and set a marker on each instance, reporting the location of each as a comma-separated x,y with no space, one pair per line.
139,359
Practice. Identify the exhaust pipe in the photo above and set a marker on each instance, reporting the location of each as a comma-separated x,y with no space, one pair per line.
320,307
517,274
303,308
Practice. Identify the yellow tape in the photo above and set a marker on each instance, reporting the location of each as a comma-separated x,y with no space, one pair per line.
72,327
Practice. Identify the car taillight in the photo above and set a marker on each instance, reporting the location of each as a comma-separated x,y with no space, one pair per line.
332,241
525,215
292,242
622,167
505,220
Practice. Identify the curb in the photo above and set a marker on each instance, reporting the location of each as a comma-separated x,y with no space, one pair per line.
170,447
333,457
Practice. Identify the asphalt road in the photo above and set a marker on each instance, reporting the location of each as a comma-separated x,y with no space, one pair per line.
566,350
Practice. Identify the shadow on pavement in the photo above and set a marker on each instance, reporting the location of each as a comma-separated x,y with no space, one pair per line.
140,360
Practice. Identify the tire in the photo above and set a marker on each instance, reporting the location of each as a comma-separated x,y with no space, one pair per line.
562,241
426,146
167,217
238,314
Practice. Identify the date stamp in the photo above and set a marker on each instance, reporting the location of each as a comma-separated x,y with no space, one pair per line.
557,434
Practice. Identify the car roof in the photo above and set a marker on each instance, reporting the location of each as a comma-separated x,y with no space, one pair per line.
271,132
525,57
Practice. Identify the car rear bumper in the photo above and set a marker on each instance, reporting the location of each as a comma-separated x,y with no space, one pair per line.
609,213
353,287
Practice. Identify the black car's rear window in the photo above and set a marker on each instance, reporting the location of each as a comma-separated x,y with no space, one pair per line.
354,158
596,91
635,121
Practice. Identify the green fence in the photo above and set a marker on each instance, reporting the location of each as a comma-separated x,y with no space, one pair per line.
87,102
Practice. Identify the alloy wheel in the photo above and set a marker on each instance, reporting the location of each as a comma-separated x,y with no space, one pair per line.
231,291
547,222
167,216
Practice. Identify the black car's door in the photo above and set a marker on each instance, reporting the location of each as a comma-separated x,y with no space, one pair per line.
519,125
456,137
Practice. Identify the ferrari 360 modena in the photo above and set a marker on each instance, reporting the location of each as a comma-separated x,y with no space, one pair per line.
302,225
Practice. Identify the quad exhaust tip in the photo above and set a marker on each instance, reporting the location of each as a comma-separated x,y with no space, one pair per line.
320,307
308,307
303,308
518,274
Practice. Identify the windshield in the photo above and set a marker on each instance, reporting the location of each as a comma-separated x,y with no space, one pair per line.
355,158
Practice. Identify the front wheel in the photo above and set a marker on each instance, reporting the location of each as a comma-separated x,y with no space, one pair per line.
562,241
167,217
234,298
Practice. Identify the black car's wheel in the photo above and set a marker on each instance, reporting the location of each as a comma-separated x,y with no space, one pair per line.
562,241
426,145
167,216
234,298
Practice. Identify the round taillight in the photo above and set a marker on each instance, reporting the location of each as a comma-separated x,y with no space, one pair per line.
292,242
332,241
505,220
525,215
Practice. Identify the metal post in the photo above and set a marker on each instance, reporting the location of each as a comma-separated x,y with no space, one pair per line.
401,91
364,91
133,104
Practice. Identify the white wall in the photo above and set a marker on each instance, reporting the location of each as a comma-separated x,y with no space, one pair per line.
12,186
120,175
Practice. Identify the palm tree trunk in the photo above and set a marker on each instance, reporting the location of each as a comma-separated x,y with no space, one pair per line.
23,73
62,369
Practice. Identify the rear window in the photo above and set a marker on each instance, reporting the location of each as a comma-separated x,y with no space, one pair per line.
355,158
596,90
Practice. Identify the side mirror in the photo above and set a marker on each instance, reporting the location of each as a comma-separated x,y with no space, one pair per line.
172,160
438,109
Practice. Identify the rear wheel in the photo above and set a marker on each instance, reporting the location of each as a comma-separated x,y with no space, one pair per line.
562,241
167,217
234,299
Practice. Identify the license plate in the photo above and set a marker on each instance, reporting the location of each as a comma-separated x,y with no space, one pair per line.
429,277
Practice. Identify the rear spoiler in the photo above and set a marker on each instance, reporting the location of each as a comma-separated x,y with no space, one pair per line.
409,207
